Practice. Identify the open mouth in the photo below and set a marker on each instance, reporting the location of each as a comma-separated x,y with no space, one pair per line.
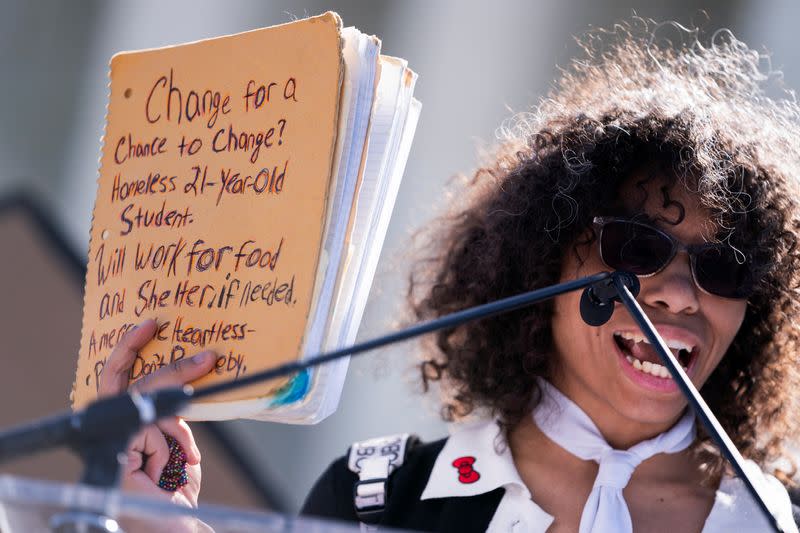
644,358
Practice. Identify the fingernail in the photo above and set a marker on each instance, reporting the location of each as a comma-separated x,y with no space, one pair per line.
140,324
201,358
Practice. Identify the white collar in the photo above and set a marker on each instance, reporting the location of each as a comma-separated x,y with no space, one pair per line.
485,450
495,469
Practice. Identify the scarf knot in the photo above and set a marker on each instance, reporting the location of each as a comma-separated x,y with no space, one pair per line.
616,468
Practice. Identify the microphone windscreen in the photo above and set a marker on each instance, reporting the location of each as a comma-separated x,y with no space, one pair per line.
597,300
595,311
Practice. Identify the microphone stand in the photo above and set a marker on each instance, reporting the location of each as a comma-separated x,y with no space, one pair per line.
100,434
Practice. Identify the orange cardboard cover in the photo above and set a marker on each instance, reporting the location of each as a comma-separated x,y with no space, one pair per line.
211,199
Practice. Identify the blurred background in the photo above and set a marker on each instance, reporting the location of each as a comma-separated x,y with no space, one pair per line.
477,62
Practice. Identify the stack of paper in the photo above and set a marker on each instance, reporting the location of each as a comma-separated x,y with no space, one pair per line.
316,208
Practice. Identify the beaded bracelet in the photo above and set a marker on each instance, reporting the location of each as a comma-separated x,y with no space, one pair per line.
174,475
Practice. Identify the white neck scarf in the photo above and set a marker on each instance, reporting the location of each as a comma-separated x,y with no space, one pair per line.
563,422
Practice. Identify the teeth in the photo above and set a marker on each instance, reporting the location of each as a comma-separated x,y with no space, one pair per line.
635,337
654,369
639,337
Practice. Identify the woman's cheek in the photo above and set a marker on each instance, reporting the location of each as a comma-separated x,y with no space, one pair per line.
726,317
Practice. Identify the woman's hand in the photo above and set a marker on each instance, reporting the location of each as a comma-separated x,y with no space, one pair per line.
148,452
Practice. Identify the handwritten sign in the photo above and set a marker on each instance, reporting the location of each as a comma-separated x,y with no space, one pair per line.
211,200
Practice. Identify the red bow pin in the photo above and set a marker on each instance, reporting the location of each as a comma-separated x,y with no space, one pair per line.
466,474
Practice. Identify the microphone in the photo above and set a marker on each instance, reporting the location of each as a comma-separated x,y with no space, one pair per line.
598,299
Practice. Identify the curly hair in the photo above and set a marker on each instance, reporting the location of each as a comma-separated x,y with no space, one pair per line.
702,112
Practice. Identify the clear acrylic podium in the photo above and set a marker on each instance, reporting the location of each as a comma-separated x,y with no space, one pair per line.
31,506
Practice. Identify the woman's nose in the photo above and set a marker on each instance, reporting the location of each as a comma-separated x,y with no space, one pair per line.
673,289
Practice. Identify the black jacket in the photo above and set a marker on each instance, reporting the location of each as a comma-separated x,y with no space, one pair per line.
332,497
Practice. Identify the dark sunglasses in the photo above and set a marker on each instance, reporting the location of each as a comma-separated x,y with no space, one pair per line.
644,250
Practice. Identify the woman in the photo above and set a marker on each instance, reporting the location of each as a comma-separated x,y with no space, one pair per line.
670,162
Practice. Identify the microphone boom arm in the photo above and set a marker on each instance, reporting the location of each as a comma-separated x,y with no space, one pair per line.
448,321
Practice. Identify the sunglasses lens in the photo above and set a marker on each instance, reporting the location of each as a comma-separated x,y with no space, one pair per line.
719,271
635,248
